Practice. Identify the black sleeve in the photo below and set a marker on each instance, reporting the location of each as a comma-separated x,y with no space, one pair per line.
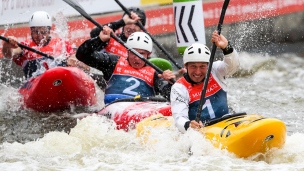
228,49
115,25
162,87
187,125
89,54
95,32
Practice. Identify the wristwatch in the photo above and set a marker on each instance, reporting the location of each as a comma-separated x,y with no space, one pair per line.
228,49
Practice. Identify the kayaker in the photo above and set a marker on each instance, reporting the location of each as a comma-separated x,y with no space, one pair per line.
40,24
186,92
127,77
127,25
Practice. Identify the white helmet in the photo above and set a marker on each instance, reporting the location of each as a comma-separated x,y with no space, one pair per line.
140,40
196,53
40,19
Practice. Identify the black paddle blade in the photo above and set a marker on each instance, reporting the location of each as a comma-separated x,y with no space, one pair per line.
78,8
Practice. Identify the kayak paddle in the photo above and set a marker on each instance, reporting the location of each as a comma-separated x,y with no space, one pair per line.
219,29
29,48
77,7
154,40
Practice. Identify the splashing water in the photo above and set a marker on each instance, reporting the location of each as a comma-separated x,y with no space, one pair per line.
61,25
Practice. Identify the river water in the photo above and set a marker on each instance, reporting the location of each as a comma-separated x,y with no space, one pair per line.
270,85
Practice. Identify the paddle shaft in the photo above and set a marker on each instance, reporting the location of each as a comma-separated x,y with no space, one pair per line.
29,48
219,29
88,17
153,39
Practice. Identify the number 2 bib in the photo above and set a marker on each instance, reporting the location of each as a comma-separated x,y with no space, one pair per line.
129,81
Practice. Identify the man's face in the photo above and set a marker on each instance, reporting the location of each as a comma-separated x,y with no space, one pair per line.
40,35
130,28
135,61
197,70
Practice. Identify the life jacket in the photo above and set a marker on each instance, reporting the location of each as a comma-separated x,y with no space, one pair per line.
53,48
127,81
215,105
116,48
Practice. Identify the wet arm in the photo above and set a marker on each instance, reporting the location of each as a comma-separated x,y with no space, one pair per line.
88,54
11,49
115,25
230,63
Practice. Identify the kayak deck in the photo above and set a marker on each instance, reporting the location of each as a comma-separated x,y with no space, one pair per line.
244,135
58,89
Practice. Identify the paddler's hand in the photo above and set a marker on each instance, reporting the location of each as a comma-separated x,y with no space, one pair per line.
180,73
11,49
167,75
12,42
219,40
105,34
195,125
134,18
74,62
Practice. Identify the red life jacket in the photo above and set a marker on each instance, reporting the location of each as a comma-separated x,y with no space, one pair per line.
116,48
53,48
215,105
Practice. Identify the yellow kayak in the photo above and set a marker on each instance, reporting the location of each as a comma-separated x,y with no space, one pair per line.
241,134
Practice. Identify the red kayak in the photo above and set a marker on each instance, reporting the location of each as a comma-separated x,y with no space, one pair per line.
59,88
126,113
